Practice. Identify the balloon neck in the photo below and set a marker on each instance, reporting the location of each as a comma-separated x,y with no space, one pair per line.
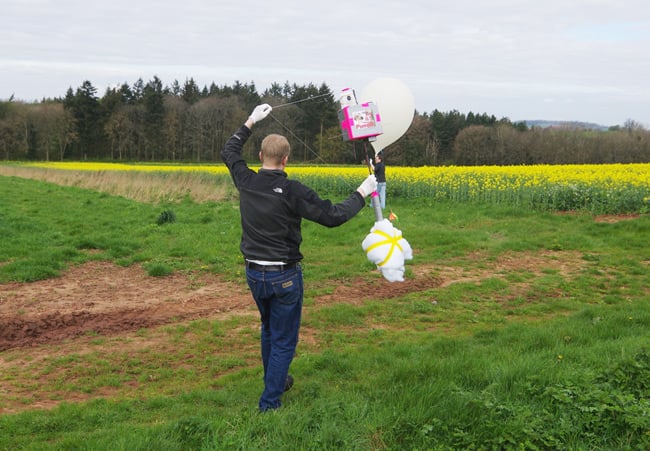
374,199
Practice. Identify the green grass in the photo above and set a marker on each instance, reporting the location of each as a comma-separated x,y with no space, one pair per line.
519,357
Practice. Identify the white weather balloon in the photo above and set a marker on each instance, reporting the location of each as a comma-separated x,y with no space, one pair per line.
396,108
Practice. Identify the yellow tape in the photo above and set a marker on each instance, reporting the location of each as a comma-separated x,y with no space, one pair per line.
393,241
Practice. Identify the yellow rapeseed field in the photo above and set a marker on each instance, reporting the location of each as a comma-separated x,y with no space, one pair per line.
606,188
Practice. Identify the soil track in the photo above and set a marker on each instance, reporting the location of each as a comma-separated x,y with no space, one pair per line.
105,299
102,298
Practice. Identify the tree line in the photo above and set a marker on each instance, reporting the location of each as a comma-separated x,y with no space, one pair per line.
187,123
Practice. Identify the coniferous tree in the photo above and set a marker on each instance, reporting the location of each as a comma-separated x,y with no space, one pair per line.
190,92
85,108
154,114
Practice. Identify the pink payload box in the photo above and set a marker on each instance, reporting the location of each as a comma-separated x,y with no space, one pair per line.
360,121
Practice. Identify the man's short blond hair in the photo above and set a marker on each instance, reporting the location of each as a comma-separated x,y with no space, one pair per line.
274,148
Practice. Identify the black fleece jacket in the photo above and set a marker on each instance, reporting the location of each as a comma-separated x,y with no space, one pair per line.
272,207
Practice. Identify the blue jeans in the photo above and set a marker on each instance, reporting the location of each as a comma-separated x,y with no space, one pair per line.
381,189
279,296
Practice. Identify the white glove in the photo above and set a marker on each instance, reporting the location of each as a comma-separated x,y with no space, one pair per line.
260,112
368,186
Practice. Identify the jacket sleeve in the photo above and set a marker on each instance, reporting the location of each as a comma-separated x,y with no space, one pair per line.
310,206
231,155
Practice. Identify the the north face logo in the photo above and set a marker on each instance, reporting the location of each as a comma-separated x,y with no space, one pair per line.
278,190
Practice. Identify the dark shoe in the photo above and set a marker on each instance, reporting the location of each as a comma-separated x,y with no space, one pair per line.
288,383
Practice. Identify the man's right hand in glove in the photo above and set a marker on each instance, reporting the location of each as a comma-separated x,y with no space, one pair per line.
368,186
259,113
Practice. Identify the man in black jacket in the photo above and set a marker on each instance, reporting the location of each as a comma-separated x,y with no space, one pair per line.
271,208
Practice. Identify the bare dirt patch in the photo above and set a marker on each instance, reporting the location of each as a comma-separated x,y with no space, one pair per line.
611,219
102,298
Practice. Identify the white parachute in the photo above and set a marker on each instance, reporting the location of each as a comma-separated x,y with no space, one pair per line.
386,248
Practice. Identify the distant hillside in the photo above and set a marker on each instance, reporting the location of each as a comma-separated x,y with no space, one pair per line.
566,124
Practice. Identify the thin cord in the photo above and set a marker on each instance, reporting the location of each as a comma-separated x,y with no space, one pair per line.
365,150
305,144
298,101
296,137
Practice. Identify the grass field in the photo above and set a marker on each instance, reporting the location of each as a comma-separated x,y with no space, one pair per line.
517,328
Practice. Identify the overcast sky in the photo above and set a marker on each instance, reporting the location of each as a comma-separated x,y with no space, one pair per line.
584,60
